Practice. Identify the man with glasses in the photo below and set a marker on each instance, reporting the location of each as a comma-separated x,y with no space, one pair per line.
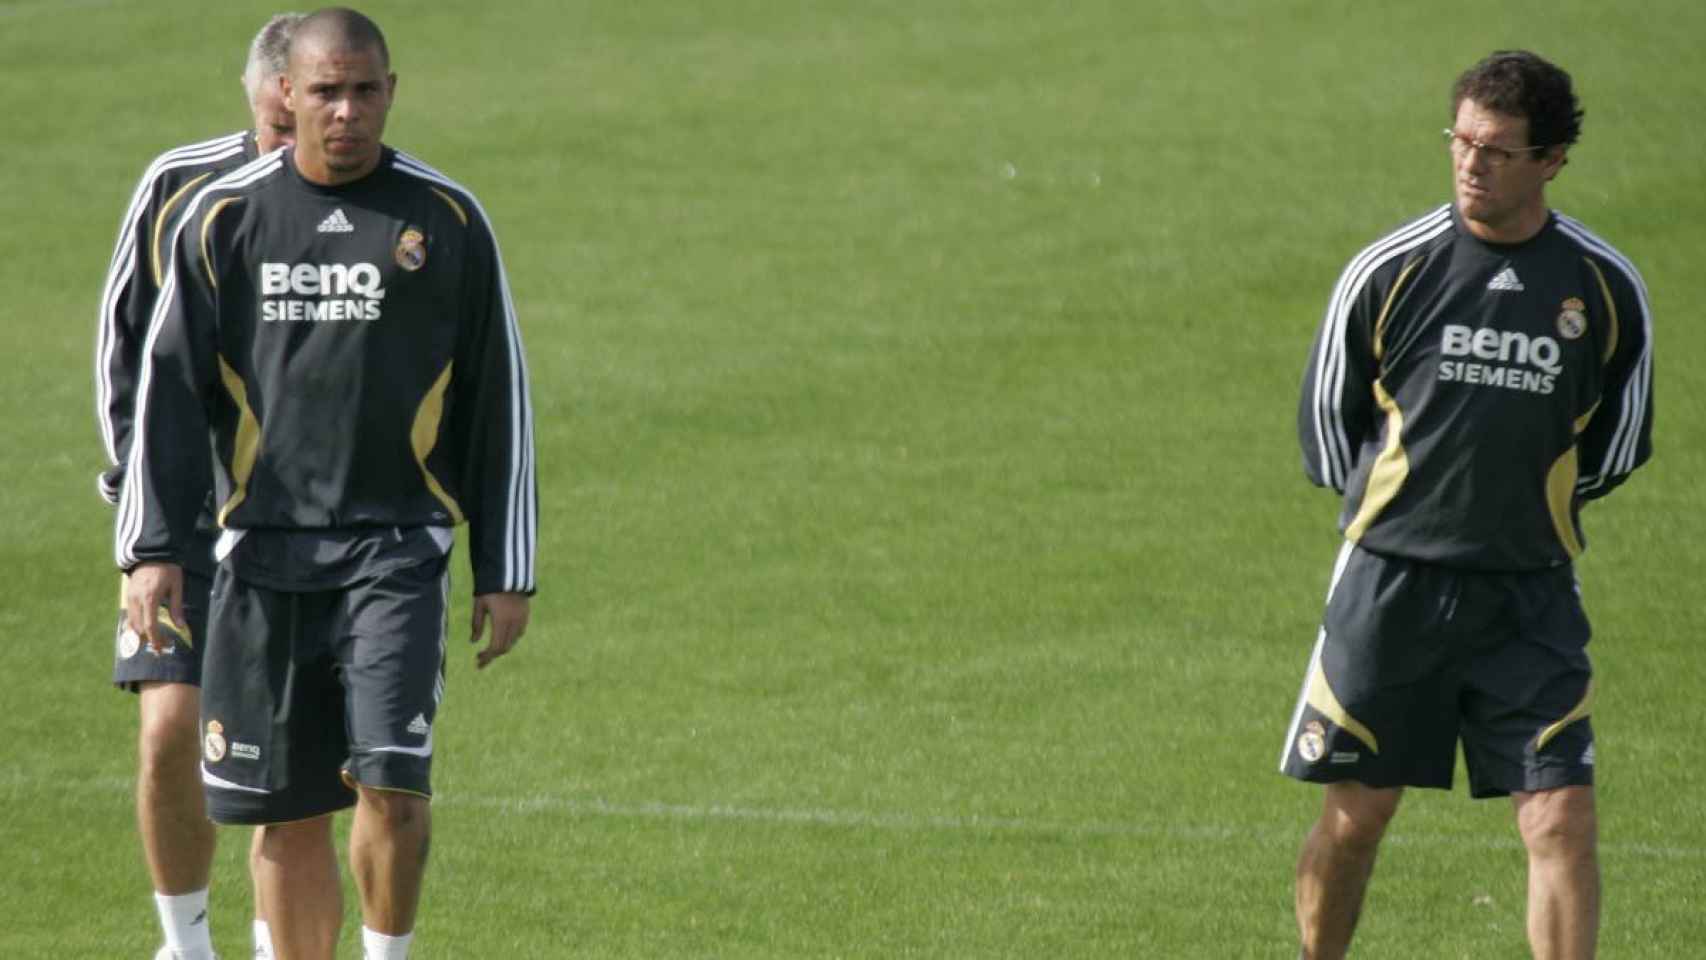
177,839
1481,373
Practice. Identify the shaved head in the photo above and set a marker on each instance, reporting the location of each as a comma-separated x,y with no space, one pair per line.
339,89
339,28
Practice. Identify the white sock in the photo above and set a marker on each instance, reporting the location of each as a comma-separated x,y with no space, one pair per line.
184,920
263,940
379,946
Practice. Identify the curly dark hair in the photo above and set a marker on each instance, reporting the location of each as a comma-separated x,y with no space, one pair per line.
1522,84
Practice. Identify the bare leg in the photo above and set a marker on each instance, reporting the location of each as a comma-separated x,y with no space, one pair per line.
1336,862
388,854
255,878
1560,829
296,879
171,814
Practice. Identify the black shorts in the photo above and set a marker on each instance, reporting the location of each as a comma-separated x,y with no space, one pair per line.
136,663
1413,657
308,694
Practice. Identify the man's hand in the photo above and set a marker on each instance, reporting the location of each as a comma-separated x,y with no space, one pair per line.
508,613
149,587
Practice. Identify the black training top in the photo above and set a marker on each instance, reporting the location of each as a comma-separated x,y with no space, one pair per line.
127,301
1467,397
354,354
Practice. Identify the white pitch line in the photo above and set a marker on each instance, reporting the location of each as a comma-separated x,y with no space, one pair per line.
837,818
597,807
900,821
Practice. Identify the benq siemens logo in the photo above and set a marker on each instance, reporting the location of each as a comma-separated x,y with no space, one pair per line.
320,292
1513,360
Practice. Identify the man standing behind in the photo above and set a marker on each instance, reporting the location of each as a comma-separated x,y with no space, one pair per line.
338,320
1481,373
177,839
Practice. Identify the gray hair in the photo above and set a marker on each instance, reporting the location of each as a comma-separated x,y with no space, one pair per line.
269,54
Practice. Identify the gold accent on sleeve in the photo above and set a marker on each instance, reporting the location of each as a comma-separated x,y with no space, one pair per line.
155,258
1577,712
1583,420
1561,488
1560,496
206,222
455,207
1390,469
1392,466
424,435
1386,308
1320,696
248,443
1610,309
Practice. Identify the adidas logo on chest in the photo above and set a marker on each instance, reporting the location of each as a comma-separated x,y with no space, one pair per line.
1505,279
336,222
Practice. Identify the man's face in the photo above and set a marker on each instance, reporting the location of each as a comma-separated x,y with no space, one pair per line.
339,97
1498,192
274,126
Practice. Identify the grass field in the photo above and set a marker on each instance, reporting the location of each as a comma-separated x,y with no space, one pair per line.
926,567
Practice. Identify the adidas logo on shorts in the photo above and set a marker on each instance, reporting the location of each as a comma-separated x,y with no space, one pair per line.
419,726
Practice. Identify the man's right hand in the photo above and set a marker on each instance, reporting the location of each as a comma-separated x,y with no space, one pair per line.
149,587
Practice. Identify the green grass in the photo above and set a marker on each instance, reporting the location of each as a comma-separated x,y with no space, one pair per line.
926,567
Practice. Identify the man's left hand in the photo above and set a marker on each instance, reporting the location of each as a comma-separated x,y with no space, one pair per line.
508,614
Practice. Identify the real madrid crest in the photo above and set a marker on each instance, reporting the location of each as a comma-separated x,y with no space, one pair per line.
213,745
411,250
1312,742
1573,321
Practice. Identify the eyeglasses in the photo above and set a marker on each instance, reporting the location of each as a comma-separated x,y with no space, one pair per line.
1495,156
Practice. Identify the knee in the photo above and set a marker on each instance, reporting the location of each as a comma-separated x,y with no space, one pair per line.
1357,816
291,841
396,812
1558,823
256,841
166,735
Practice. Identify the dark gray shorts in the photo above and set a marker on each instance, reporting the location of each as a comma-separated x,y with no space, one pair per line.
306,695
136,663
1414,657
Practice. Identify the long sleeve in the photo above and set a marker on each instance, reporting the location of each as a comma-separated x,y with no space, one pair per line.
166,467
126,298
1619,437
492,417
132,285
1336,410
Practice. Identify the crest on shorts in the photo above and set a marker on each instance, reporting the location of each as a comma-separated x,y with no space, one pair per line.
213,744
411,250
128,643
1312,742
1573,321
